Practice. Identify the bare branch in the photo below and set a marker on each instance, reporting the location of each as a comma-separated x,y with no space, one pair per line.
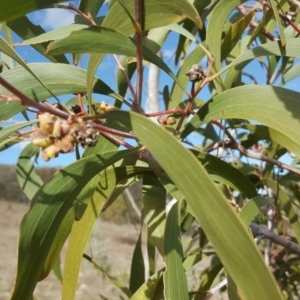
258,231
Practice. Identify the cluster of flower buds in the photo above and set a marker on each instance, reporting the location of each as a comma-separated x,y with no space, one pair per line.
166,120
56,136
195,73
85,139
106,107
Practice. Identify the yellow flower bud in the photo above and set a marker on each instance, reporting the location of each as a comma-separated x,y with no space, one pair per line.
50,152
46,123
42,142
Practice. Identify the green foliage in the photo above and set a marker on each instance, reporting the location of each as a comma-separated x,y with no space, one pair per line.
232,164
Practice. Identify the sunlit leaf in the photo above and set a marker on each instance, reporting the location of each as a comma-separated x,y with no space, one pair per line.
155,14
229,236
98,39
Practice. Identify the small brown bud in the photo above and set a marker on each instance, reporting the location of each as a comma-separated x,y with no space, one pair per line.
195,73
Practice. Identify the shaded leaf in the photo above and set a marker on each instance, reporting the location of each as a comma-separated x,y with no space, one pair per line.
175,282
72,81
287,205
48,209
24,28
137,271
12,10
252,208
276,102
9,130
28,179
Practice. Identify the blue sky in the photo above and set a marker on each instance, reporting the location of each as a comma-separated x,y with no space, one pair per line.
50,19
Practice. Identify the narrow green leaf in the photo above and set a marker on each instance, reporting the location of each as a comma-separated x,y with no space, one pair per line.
73,81
154,199
55,34
112,279
96,39
225,229
57,244
276,102
287,205
279,24
12,10
155,14
9,130
48,209
226,174
209,275
28,179
81,231
214,34
291,74
137,271
292,49
233,292
151,289
8,50
57,270
91,6
175,282
93,63
267,15
252,208
24,28
261,132
234,34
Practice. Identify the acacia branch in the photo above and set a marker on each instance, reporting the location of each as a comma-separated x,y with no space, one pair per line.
270,235
233,144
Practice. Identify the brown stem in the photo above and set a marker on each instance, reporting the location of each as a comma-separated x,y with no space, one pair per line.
28,102
136,106
186,110
122,70
254,24
283,17
72,7
108,130
116,140
233,144
169,112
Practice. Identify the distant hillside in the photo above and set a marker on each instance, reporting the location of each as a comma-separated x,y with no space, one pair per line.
9,186
120,211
